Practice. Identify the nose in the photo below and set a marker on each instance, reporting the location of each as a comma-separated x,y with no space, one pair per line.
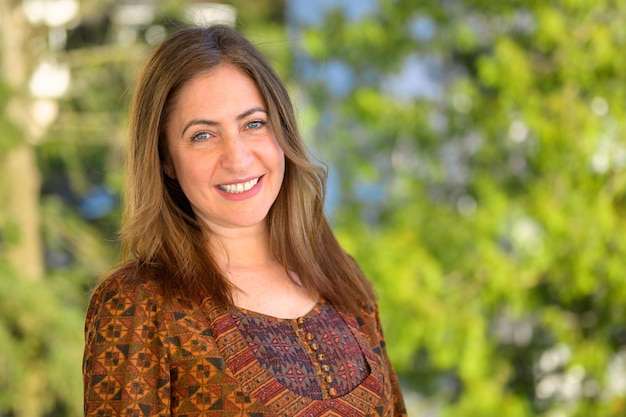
236,153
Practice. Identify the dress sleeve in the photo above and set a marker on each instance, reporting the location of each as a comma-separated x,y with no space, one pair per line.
399,408
125,363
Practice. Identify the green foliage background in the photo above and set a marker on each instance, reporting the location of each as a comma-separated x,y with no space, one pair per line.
498,248
495,231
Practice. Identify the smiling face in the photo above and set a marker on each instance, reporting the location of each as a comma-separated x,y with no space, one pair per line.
222,149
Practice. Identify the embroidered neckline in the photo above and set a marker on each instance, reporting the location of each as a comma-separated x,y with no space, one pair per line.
317,307
258,382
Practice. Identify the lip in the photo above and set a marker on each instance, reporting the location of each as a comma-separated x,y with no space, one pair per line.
243,195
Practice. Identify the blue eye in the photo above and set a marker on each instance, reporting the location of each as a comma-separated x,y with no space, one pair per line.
256,124
200,136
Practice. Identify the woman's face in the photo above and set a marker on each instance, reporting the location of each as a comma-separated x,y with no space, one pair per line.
222,150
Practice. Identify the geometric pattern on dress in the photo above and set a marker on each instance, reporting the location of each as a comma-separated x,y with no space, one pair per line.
148,356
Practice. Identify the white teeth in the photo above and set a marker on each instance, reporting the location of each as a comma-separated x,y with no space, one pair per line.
238,188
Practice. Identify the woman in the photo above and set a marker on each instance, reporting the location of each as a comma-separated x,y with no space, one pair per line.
238,299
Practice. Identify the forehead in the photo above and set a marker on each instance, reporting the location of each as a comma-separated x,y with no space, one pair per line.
217,85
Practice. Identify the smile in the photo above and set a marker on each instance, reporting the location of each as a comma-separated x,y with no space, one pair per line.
239,188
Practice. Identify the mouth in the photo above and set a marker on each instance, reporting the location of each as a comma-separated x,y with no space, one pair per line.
239,187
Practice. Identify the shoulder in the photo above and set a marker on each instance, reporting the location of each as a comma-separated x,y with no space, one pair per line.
368,320
130,290
125,292
127,281
367,313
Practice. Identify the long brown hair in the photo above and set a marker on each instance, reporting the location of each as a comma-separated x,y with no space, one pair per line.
161,233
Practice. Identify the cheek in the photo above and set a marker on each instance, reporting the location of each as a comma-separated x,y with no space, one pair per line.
167,158
168,167
191,171
280,163
174,166
283,167
279,155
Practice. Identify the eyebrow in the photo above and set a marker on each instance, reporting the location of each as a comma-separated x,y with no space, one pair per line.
195,122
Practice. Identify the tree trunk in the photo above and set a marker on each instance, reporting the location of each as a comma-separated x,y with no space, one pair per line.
18,168
20,193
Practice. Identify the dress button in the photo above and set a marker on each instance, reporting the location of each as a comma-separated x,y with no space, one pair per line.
314,346
320,356
325,368
309,336
332,391
300,320
328,379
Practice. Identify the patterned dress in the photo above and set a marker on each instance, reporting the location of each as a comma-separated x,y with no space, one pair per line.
145,356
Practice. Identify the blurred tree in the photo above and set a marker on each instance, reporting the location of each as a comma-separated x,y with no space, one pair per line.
20,238
19,217
481,154
54,218
59,208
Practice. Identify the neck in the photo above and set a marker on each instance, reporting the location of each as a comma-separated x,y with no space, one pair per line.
259,282
242,249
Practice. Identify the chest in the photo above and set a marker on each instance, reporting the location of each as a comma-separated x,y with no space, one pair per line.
228,362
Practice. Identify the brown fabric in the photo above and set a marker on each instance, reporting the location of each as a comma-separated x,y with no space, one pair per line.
147,357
